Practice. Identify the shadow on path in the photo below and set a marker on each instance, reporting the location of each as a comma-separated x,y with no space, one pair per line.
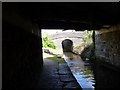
56,75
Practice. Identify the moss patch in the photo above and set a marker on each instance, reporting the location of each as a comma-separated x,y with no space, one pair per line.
55,59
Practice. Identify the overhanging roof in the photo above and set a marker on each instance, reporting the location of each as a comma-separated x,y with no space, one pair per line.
69,15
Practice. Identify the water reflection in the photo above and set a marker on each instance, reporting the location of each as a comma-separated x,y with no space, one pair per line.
81,70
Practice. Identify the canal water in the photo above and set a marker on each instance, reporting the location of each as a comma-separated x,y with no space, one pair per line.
81,70
92,75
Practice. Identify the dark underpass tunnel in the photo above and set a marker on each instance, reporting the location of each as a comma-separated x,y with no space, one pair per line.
22,56
67,45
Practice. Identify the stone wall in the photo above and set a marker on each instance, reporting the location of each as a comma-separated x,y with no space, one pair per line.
107,64
107,44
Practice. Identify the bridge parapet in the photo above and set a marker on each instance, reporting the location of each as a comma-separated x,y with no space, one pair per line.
66,35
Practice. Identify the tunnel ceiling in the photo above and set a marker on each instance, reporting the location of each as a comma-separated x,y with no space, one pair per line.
77,15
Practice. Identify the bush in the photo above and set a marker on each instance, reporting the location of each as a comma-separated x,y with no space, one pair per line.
86,41
87,38
47,42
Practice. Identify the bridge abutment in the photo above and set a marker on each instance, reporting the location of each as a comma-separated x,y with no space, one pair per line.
107,63
107,45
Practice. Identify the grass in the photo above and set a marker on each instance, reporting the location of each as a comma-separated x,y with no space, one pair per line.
52,57
57,60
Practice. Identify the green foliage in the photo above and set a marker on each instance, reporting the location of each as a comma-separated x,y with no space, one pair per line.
57,60
87,38
86,41
47,42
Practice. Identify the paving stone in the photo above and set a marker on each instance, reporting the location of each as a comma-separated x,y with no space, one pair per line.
61,72
63,66
57,84
53,76
67,78
63,69
71,85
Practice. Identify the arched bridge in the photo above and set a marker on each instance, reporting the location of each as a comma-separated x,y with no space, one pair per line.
65,34
76,37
